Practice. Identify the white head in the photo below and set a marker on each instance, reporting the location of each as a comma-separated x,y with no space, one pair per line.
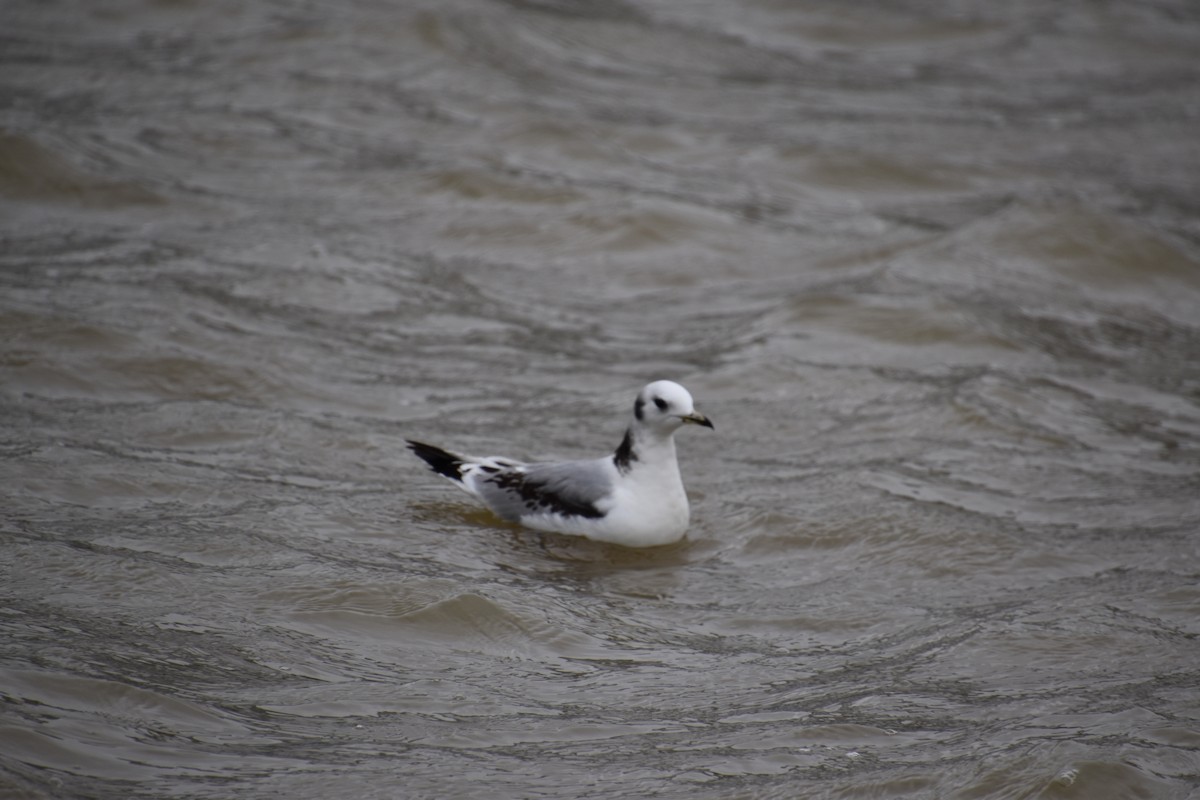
663,406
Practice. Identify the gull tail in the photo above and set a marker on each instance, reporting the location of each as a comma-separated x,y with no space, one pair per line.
440,461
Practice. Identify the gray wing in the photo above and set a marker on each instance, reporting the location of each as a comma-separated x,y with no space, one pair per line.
571,488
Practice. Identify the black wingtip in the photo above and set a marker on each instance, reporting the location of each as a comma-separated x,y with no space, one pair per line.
440,461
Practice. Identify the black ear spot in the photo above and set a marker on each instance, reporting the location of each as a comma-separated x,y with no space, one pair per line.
662,404
637,407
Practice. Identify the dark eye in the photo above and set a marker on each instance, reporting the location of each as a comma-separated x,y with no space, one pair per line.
662,404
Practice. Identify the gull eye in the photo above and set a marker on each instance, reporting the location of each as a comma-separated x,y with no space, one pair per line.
662,404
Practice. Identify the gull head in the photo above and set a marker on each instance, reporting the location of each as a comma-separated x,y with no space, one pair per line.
664,406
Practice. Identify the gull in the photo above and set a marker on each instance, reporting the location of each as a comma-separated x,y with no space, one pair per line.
633,497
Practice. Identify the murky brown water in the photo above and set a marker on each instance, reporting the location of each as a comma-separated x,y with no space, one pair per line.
933,269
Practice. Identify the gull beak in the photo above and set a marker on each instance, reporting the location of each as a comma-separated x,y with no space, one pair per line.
696,418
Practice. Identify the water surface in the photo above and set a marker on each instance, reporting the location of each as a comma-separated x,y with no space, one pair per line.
933,270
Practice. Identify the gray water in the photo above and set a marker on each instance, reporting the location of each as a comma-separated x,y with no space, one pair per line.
933,269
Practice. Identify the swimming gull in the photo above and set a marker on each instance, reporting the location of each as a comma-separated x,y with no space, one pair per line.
633,497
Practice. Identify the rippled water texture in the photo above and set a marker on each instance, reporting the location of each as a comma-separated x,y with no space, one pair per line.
932,268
